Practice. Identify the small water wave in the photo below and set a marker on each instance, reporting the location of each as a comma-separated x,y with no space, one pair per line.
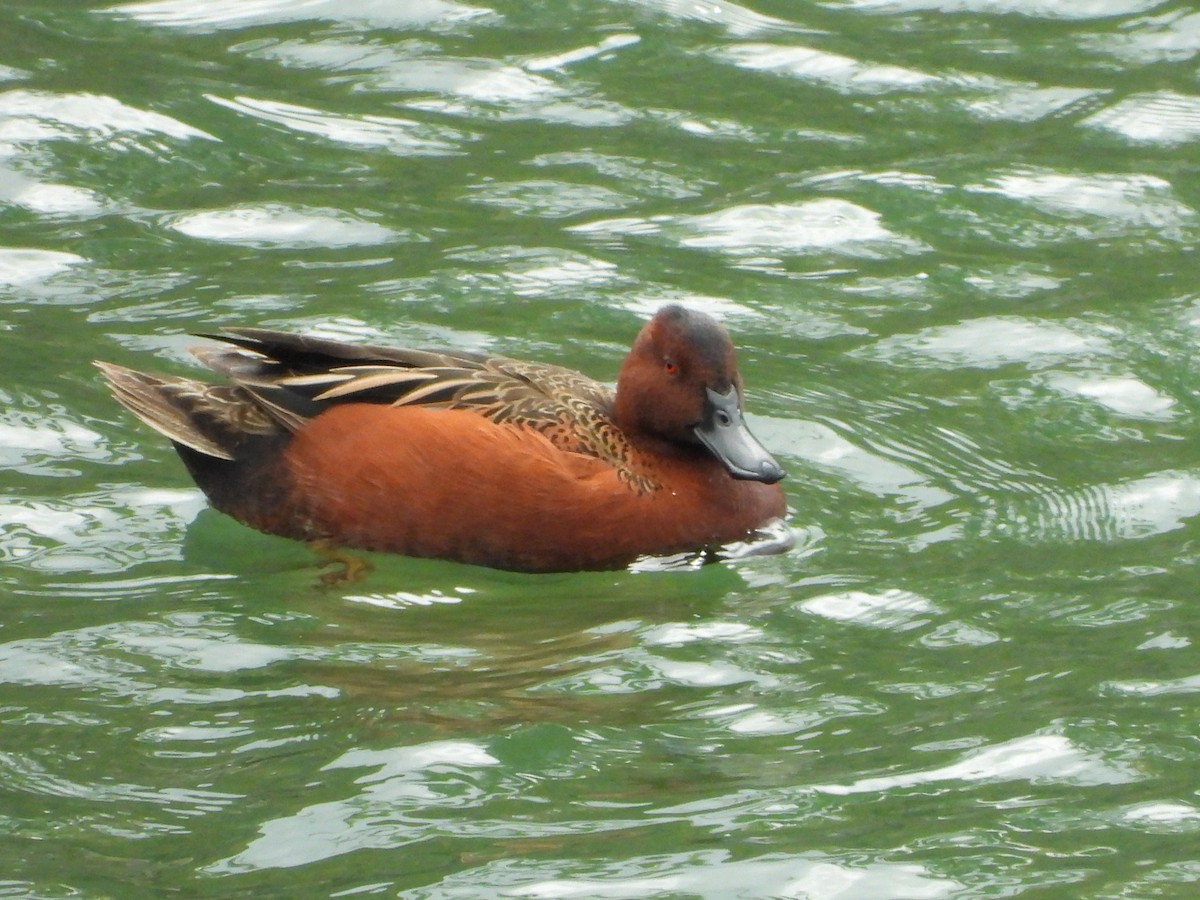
839,72
1000,100
1034,9
277,225
1126,395
548,199
386,809
1030,207
1161,117
38,115
22,266
403,137
137,588
543,272
116,659
1170,687
1035,758
989,342
1132,510
735,19
97,531
230,14
397,600
695,873
1116,205
644,176
476,88
769,719
813,226
27,775
894,610
39,437
1170,37
48,199
603,49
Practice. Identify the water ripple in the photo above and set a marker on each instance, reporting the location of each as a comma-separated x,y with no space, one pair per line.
732,17
548,199
1162,117
20,266
223,14
403,137
41,115
895,610
695,873
1119,205
1035,758
31,776
100,531
1172,37
35,443
989,342
1036,9
278,225
48,199
1126,395
842,73
1140,508
814,226
389,810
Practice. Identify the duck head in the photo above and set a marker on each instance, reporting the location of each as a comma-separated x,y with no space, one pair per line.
680,384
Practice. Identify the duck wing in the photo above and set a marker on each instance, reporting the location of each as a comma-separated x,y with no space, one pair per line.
295,377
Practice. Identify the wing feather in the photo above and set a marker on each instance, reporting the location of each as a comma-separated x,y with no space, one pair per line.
292,378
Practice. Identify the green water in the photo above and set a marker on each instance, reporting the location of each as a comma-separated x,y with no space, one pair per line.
956,244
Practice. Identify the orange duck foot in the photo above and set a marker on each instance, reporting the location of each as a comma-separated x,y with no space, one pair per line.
352,566
469,457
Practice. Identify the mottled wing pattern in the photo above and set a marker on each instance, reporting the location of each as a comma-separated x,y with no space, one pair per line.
572,410
294,378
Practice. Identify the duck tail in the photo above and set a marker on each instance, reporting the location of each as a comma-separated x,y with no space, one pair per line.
212,420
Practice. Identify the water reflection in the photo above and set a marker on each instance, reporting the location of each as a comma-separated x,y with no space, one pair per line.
1126,206
1172,36
390,809
1036,9
1161,117
202,14
403,137
839,72
102,531
42,115
737,20
990,342
1036,758
809,227
275,225
19,266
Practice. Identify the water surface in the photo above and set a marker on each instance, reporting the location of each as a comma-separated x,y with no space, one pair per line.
955,242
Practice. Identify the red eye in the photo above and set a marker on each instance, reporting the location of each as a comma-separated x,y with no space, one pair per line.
670,367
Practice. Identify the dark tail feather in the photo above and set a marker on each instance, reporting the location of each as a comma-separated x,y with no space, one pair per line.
229,443
210,419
